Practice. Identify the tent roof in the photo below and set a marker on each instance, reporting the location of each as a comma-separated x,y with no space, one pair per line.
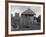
28,11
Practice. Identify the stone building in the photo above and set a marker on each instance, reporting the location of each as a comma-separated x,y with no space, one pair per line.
23,22
27,19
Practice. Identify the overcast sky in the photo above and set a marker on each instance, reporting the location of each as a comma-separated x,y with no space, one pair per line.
20,9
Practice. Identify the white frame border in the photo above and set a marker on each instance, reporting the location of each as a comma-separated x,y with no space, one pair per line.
23,32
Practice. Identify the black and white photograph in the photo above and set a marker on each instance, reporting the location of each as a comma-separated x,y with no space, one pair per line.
25,18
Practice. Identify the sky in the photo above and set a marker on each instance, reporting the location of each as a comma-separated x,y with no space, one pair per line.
20,9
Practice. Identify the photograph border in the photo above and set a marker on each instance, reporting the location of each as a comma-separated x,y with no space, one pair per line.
6,18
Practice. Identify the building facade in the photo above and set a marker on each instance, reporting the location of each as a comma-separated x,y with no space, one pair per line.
27,18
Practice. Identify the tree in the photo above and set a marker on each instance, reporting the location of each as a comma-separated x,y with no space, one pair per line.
39,19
